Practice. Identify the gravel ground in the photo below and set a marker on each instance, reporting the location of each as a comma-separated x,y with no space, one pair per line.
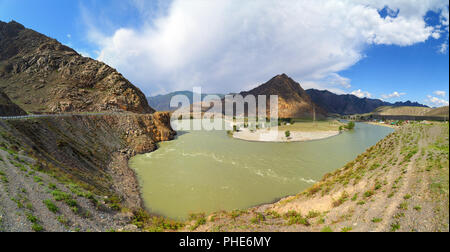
23,191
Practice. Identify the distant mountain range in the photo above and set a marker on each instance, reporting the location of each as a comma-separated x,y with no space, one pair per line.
162,102
295,102
351,104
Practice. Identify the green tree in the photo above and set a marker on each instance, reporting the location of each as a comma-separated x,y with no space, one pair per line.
351,125
287,133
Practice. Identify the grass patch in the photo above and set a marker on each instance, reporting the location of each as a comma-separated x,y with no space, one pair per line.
294,218
37,228
326,229
377,220
258,218
51,206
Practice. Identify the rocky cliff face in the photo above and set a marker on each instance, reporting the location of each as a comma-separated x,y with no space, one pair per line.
293,101
42,75
8,108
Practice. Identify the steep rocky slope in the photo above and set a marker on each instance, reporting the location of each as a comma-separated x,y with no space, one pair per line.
8,108
69,172
293,101
41,75
86,157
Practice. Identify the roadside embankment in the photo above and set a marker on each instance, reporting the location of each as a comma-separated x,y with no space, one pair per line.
89,151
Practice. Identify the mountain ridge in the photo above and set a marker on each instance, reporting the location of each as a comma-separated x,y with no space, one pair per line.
162,102
42,75
293,101
348,104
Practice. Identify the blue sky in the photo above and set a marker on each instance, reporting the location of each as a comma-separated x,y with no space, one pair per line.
161,46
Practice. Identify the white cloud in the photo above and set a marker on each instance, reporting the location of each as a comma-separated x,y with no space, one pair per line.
361,94
440,93
335,79
444,18
226,46
393,95
435,101
83,53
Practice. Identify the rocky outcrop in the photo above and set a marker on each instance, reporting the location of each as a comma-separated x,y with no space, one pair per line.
8,108
42,75
293,101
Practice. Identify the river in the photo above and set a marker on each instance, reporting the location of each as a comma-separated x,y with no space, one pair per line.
208,171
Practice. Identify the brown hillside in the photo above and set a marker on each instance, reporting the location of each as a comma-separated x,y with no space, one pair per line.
41,75
442,111
402,111
293,101
8,108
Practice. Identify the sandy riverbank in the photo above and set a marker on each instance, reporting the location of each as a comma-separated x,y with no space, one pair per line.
383,124
279,136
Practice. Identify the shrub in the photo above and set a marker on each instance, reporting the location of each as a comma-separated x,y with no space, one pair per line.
368,194
341,200
287,133
37,228
395,226
350,125
258,218
51,206
313,214
295,218
377,220
327,229
346,229
60,195
32,218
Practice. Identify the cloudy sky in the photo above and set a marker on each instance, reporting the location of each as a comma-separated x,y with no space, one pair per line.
393,50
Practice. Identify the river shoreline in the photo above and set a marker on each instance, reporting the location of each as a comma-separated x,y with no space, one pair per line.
280,137
382,124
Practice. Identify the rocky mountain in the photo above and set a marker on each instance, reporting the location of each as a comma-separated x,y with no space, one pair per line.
41,75
293,101
162,102
83,156
351,104
409,104
8,108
